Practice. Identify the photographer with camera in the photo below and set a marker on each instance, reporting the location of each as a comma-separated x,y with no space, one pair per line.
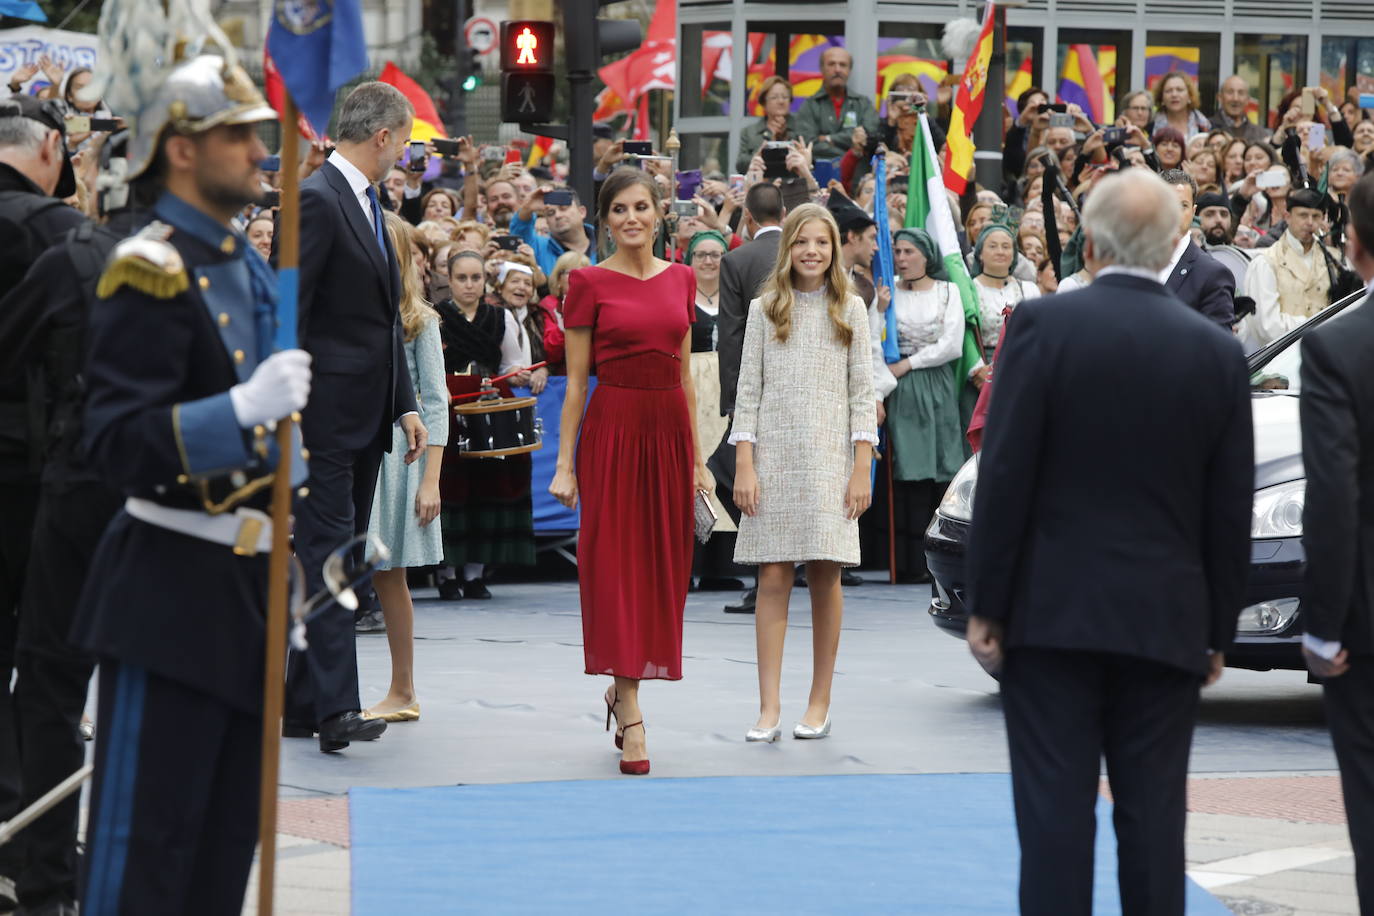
568,226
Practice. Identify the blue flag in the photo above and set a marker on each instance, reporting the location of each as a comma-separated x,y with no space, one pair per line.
317,46
882,265
23,9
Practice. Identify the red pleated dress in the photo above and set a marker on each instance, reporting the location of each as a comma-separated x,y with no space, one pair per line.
634,470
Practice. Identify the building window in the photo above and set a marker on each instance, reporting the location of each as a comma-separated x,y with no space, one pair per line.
1273,65
1092,64
1193,54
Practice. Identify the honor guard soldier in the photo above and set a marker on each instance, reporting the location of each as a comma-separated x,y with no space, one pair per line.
183,391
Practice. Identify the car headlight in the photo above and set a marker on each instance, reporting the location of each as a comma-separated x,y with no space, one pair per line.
1267,617
1278,511
958,501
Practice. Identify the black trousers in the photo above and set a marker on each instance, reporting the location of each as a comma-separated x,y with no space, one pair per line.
323,680
50,690
1065,711
174,806
1350,714
18,506
913,506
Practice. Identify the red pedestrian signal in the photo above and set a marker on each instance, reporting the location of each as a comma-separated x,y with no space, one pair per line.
527,45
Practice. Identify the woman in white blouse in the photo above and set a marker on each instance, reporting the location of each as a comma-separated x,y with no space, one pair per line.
994,259
924,429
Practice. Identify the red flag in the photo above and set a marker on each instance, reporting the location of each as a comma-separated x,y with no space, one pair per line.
428,124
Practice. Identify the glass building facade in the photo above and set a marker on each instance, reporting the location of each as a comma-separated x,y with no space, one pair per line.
1093,51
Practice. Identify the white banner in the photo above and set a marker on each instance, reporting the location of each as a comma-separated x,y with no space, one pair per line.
28,43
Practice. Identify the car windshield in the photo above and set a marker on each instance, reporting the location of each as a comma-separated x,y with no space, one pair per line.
1281,371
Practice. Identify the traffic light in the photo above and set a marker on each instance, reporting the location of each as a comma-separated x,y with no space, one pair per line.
527,81
473,70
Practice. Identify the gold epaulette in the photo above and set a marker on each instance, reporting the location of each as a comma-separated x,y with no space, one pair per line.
148,263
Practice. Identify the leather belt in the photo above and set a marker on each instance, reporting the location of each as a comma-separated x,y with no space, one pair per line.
247,531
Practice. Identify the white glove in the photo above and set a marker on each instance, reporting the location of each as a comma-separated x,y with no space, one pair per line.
280,385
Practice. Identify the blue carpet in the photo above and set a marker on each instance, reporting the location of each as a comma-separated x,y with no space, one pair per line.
943,844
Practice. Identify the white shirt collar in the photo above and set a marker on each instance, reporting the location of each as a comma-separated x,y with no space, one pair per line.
1297,246
1182,246
1142,272
765,229
357,182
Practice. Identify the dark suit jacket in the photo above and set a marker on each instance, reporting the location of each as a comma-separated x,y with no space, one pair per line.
742,273
1204,283
1115,485
1337,407
349,321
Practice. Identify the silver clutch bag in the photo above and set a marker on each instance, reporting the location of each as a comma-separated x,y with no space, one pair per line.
705,515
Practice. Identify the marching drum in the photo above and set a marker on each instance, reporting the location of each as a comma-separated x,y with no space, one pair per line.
495,424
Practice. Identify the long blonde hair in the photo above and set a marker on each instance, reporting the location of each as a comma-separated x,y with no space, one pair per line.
778,294
415,311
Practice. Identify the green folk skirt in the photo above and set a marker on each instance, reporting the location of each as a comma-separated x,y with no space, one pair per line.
923,425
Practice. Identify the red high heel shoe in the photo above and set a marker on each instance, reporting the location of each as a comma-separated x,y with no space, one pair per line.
610,714
634,767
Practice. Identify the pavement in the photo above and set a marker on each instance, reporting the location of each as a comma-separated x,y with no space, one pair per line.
503,700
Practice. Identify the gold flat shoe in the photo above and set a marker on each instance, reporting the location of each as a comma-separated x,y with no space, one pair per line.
409,713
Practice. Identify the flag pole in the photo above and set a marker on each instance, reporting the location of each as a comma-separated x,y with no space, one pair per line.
274,666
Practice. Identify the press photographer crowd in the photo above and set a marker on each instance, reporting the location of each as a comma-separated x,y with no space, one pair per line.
455,298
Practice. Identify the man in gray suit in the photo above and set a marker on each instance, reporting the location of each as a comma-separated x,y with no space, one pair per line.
742,275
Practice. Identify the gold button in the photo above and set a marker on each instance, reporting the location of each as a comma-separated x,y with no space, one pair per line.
223,319
227,246
303,492
295,416
204,282
259,430
238,356
305,454
183,479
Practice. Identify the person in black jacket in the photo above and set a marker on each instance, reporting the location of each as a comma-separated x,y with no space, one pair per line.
35,174
1108,553
1203,283
1337,610
350,323
43,324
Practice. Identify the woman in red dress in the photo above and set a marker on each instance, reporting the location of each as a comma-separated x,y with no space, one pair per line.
638,460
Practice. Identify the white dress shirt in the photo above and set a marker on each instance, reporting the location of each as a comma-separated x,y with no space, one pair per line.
1181,247
357,183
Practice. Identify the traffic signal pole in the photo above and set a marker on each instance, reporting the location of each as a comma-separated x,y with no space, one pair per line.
458,99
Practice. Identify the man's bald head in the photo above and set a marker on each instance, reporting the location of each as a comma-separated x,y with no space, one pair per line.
1131,221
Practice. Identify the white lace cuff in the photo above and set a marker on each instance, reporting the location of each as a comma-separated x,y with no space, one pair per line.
865,437
737,438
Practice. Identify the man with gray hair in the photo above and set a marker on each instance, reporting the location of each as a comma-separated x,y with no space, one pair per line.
1108,554
349,320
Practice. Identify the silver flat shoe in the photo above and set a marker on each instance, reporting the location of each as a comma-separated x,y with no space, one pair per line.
802,730
766,735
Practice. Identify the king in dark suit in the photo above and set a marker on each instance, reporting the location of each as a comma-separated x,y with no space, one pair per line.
350,323
1337,610
1108,553
1201,281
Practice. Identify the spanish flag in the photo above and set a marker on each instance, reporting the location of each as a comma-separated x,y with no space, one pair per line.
427,124
968,102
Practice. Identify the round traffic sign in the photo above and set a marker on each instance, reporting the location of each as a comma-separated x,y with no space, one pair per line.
480,34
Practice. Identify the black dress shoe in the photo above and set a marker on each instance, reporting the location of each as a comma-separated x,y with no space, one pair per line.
850,578
451,590
49,908
337,731
719,584
746,604
476,590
